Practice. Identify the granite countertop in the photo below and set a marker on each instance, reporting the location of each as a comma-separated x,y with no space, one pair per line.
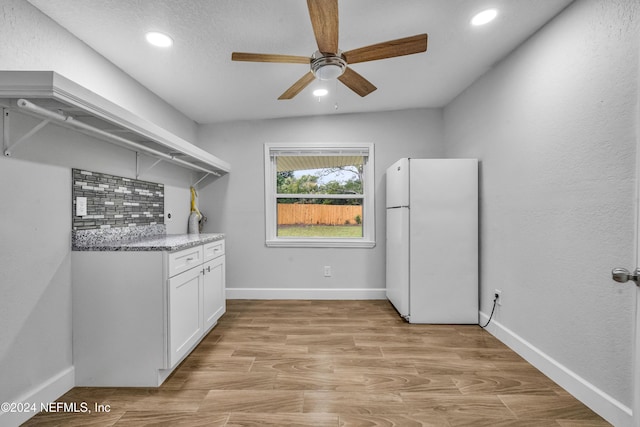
162,242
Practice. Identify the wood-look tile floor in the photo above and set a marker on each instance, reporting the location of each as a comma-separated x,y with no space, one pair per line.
337,363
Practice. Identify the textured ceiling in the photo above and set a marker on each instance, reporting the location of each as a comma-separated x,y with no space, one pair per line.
198,78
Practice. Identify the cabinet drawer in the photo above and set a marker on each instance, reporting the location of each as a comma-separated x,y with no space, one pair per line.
184,260
213,250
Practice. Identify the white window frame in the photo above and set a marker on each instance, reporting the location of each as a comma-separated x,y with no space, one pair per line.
271,210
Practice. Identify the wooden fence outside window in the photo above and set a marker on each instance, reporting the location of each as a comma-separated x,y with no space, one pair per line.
291,214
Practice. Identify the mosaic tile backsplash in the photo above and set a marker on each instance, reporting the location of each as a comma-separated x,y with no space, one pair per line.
115,202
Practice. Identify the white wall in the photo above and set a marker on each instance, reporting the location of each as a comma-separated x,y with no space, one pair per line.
234,204
35,203
554,125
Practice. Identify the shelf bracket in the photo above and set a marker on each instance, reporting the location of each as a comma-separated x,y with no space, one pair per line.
138,172
7,145
201,179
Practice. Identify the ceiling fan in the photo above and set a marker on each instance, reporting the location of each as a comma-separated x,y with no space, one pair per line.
329,62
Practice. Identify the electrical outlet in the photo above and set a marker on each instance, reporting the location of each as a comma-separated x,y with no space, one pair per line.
81,206
327,271
498,292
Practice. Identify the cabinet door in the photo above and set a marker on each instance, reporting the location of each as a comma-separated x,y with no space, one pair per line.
214,304
185,313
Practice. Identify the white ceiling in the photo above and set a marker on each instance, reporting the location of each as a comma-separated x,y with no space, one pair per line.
198,78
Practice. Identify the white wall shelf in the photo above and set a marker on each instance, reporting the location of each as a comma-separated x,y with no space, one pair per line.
55,99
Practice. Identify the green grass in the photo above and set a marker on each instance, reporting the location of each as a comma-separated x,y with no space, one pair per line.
340,231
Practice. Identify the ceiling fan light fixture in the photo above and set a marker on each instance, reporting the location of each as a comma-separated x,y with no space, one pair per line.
159,39
329,72
320,92
327,66
484,17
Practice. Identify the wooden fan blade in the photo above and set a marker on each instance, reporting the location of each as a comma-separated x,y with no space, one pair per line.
390,49
356,82
298,86
266,57
324,20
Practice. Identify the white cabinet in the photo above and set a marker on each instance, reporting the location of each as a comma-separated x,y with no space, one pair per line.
196,296
137,314
185,313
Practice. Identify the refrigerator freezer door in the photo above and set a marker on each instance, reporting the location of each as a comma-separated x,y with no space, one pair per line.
398,184
398,259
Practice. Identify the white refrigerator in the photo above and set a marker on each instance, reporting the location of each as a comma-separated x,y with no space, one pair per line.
432,240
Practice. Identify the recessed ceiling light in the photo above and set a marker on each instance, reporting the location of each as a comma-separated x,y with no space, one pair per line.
320,92
159,39
484,17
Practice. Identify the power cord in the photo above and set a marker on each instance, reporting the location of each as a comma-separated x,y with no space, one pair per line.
495,302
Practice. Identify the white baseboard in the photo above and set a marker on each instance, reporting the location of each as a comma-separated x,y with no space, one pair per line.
597,400
44,393
301,293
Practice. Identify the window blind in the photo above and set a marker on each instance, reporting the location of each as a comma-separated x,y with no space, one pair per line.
288,159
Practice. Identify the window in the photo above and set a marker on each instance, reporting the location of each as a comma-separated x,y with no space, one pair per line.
319,195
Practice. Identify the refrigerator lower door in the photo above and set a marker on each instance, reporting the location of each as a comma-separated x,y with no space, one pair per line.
398,259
